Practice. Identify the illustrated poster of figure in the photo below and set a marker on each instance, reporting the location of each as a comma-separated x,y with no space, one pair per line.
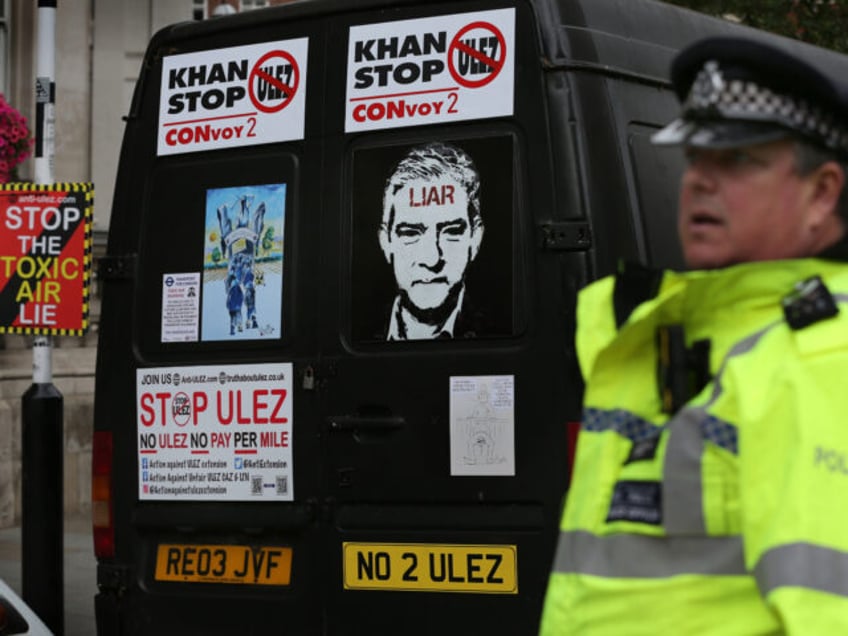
243,262
433,231
482,417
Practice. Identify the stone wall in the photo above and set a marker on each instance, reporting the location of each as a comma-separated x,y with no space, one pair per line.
73,374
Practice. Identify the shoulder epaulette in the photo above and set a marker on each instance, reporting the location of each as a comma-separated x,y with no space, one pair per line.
809,303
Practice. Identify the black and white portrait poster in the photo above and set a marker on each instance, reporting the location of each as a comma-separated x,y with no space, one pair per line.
433,228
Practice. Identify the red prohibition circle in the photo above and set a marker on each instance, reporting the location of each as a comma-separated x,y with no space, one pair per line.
288,91
181,416
456,45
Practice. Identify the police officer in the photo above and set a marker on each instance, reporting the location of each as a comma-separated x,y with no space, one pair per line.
711,474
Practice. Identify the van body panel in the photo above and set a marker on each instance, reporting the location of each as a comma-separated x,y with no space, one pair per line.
416,484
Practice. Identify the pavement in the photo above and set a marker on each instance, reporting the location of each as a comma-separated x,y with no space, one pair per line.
80,572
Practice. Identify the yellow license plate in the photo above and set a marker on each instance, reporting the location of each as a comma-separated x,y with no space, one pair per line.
425,567
251,565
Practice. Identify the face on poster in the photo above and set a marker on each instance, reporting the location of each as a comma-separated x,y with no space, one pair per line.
433,241
243,262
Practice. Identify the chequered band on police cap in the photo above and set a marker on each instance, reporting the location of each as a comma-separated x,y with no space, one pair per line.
713,97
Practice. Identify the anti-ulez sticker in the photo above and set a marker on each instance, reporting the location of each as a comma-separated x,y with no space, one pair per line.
45,258
237,96
431,70
215,432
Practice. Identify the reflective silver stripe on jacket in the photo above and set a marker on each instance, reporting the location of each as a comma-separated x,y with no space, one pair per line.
683,510
803,565
640,556
683,490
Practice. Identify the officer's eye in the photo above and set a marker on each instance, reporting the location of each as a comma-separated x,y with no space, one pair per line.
730,158
737,157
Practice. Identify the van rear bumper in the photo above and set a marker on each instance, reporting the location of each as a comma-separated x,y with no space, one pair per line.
106,614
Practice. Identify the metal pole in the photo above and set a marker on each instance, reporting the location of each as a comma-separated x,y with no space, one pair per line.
42,444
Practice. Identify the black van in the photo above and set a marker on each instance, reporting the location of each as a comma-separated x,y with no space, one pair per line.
336,388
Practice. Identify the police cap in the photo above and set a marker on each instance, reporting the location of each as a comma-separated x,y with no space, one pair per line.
738,92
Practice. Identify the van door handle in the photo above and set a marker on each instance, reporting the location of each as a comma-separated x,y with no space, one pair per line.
365,423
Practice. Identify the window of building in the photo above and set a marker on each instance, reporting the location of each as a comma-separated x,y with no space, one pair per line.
249,5
202,9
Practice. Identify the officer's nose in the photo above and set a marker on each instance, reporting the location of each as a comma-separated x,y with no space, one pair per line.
700,171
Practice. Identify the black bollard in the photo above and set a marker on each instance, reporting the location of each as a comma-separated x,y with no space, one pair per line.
42,525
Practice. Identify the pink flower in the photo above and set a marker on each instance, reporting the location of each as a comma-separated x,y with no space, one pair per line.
15,140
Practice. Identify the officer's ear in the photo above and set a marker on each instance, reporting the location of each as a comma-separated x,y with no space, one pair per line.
825,186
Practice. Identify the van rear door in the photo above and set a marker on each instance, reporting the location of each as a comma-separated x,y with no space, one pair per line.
210,322
436,452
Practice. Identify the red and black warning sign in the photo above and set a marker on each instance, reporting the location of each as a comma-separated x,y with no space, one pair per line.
45,258
431,70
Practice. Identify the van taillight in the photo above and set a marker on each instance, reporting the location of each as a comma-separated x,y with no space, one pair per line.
101,495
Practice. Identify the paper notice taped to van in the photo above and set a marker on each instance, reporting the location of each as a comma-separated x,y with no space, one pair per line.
237,96
431,70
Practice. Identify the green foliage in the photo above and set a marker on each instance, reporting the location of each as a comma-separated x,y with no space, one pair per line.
819,22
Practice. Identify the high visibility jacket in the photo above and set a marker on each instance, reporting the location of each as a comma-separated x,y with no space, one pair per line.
729,516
